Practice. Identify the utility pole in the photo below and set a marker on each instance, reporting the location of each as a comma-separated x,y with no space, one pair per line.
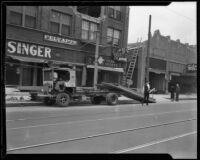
148,50
96,61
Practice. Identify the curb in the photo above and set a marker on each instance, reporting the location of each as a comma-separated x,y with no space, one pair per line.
23,104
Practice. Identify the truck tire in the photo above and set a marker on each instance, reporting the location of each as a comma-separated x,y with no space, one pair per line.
96,100
112,98
62,99
48,101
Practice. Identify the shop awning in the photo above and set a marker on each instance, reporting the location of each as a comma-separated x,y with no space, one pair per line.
157,71
28,59
107,68
175,74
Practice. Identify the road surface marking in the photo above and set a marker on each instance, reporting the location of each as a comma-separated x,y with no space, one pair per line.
110,118
154,142
95,135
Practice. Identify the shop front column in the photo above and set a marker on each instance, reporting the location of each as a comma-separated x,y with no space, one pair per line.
84,76
167,77
35,75
21,74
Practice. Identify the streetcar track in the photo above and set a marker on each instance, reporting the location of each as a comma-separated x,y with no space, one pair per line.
99,135
92,120
153,143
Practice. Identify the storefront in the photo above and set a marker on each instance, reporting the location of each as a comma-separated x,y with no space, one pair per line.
108,70
25,60
187,80
157,74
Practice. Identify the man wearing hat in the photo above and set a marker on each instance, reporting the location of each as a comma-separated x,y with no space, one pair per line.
146,93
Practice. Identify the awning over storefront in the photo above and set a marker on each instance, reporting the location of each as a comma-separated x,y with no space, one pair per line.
37,60
27,59
175,74
157,71
107,68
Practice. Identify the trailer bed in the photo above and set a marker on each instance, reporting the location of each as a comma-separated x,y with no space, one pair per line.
125,91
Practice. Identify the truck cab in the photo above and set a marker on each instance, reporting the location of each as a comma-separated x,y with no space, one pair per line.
51,76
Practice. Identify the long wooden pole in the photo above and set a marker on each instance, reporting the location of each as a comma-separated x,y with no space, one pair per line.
148,50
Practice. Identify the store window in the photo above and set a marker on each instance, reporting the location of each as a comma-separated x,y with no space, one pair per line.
89,30
114,12
60,23
12,70
113,36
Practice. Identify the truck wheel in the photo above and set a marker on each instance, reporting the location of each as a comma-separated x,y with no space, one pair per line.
96,100
112,98
49,101
62,99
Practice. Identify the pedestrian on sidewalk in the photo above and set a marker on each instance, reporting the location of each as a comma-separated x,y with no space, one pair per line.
172,90
177,92
146,93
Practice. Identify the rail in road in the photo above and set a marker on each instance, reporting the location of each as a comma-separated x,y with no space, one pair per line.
107,134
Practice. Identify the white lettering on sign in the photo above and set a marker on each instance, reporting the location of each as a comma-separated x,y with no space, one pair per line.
11,47
28,49
191,67
59,40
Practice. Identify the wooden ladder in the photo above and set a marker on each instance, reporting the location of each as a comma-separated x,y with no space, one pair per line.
127,76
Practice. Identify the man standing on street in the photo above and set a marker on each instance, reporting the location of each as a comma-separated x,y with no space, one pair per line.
146,93
172,90
177,92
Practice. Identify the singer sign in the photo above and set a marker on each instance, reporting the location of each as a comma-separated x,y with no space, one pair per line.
28,49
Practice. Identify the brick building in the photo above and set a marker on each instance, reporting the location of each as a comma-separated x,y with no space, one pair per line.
38,36
170,62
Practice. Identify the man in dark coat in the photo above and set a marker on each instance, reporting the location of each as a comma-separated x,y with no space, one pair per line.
172,90
177,92
146,93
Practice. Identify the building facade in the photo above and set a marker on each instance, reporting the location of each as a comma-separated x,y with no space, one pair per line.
170,62
41,36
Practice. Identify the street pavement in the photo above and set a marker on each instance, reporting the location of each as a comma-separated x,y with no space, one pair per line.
162,127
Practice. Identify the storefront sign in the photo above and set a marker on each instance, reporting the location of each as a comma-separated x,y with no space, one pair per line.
104,61
191,67
28,49
59,40
120,54
125,55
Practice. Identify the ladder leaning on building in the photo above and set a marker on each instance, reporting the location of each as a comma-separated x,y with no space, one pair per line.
127,76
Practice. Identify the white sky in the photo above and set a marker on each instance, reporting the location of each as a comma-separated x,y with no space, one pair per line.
178,20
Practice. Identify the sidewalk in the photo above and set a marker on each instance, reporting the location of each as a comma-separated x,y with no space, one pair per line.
160,98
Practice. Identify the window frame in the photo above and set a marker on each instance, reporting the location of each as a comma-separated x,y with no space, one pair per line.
112,37
117,13
60,22
23,13
89,32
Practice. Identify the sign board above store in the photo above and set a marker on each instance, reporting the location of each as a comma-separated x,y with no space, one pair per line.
59,39
28,49
104,61
191,67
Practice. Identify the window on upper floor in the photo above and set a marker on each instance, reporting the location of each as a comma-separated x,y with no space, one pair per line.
23,16
89,30
30,16
60,23
15,18
114,12
113,36
93,11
